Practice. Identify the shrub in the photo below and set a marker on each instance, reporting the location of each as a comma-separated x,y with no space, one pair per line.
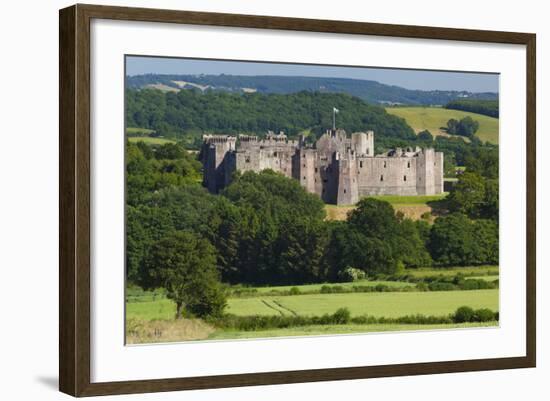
421,286
484,315
294,291
381,288
463,314
326,289
342,316
441,286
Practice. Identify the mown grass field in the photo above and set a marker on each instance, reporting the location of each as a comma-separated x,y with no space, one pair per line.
433,118
387,304
412,207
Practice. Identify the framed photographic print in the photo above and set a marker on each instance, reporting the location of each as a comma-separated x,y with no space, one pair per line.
250,200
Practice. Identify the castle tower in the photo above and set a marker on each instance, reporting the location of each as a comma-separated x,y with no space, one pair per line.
425,180
347,191
363,143
216,160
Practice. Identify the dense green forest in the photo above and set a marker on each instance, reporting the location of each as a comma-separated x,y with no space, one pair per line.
265,228
186,114
485,107
370,91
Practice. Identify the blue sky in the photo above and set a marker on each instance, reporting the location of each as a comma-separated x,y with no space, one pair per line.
410,79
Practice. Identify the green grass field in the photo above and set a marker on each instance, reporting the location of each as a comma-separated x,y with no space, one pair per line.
150,140
396,200
433,118
150,315
386,304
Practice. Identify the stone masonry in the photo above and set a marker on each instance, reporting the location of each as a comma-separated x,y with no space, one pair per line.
339,169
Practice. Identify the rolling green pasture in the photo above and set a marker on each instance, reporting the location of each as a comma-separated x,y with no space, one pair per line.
433,118
386,304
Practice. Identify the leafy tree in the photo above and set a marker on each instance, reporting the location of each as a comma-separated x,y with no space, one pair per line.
468,195
349,247
425,136
467,127
452,240
185,266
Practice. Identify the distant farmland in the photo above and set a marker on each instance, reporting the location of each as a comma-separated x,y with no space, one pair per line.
434,118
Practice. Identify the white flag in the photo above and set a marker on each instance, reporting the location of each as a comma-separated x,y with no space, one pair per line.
335,110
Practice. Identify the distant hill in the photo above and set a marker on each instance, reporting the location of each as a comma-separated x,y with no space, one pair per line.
434,119
370,91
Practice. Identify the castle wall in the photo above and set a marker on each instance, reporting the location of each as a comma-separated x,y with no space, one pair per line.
386,175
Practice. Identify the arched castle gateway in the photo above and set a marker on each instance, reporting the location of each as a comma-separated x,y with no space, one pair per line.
339,169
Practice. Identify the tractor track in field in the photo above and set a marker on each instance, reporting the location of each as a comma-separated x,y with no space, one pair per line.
285,308
272,307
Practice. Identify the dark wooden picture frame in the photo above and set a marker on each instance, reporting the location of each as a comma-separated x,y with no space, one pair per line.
74,203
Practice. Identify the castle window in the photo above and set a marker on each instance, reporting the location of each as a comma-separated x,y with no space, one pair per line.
344,190
304,177
384,164
404,178
315,169
304,165
247,159
275,154
381,178
408,164
360,164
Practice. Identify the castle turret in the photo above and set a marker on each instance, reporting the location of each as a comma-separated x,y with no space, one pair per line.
363,143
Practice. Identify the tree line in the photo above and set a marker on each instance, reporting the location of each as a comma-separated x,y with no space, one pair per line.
479,106
265,228
186,114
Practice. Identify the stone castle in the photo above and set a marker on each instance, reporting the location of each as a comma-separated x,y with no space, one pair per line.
339,169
